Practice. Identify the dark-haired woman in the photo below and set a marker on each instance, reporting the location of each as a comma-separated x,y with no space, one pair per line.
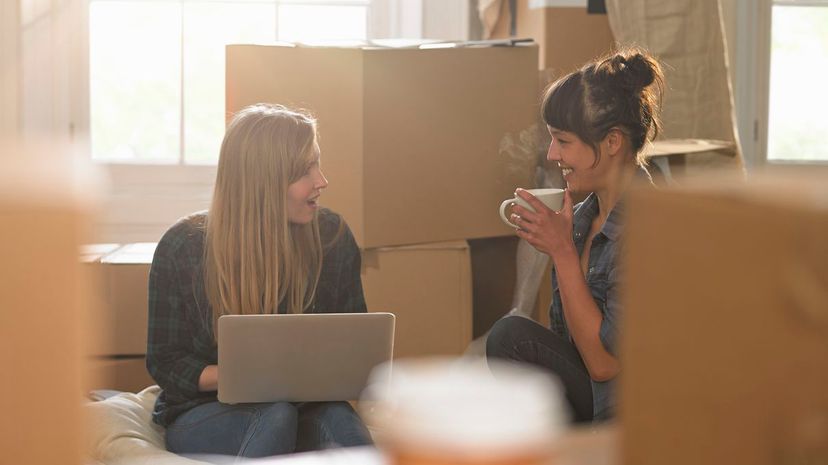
599,118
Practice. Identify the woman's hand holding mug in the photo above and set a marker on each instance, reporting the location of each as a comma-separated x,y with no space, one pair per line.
551,198
542,217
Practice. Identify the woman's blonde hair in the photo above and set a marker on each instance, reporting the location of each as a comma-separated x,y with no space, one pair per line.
253,256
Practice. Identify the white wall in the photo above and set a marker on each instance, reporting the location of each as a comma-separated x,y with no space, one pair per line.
9,68
42,86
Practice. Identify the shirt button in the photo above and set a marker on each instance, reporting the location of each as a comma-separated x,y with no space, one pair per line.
591,270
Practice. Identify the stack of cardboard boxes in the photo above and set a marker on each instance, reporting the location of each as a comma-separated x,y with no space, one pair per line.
117,355
411,144
411,141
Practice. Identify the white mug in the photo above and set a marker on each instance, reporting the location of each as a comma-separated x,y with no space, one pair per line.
448,411
552,198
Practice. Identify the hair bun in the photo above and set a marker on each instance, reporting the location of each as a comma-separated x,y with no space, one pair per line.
629,69
638,70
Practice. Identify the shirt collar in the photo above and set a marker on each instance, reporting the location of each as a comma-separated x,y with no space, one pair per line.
613,226
584,213
588,209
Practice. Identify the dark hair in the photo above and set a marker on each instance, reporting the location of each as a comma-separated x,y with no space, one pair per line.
622,90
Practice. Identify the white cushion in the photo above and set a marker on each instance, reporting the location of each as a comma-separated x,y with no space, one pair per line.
120,430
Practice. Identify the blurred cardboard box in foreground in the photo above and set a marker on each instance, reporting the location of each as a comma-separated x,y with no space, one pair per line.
410,138
726,322
46,212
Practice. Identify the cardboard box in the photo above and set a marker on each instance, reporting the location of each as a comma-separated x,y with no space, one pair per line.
98,322
428,288
125,276
568,36
44,213
725,331
120,374
410,138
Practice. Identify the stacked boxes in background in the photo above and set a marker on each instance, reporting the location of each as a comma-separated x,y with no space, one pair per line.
99,322
726,323
117,360
428,287
411,143
410,138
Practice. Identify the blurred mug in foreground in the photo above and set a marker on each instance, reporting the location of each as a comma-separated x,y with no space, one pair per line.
552,198
444,411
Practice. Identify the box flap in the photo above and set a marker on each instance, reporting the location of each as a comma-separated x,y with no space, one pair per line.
132,254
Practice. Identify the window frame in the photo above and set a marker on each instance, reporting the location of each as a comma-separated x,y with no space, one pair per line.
751,62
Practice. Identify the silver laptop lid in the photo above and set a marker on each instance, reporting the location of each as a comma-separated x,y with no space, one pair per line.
300,357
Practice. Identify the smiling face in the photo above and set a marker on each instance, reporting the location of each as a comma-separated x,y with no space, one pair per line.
303,194
576,160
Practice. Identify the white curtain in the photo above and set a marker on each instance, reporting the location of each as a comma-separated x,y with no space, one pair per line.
687,35
489,13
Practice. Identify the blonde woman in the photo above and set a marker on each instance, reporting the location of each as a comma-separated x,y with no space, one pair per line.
265,246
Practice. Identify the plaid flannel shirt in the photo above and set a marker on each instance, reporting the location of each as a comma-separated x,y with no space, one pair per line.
180,340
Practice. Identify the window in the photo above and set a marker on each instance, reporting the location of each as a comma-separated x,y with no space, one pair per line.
157,67
798,94
156,84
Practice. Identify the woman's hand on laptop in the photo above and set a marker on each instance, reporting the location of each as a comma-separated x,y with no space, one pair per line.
208,380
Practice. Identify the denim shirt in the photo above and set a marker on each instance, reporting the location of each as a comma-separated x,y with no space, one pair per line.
602,280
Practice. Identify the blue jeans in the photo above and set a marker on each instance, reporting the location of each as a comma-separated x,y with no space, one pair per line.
523,340
262,430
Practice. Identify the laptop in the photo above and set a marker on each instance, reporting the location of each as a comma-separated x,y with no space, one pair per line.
300,357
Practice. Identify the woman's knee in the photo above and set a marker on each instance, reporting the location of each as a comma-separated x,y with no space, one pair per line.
272,431
278,413
331,424
330,412
505,336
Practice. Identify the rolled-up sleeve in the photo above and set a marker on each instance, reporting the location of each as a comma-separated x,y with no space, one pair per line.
170,354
